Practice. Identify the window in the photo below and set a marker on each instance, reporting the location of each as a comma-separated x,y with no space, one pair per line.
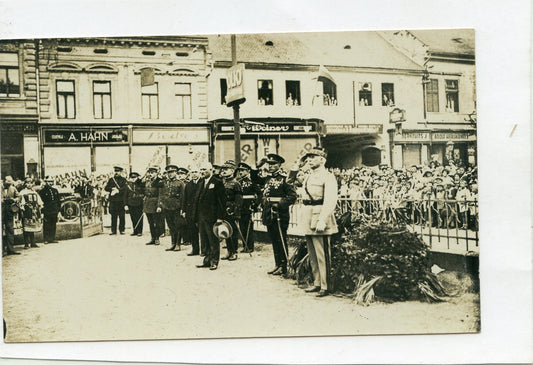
264,92
329,92
452,96
432,96
365,94
292,92
66,102
387,94
183,96
223,91
150,103
9,81
102,99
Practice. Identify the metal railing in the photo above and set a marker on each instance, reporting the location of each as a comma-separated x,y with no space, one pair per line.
84,211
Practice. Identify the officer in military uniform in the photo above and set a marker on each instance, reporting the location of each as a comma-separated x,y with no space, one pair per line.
278,196
317,218
170,201
251,196
51,205
233,207
116,186
134,202
152,185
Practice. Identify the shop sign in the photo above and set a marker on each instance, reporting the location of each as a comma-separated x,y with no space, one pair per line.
84,137
413,136
397,115
188,135
454,136
350,129
258,128
235,82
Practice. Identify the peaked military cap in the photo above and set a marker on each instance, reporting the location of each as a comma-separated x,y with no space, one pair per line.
118,168
134,174
229,164
183,169
171,168
316,151
273,158
153,168
243,166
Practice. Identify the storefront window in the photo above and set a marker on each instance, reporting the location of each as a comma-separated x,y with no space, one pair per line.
144,156
62,160
411,154
107,157
188,156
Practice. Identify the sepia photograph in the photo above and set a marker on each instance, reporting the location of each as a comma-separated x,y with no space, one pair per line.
239,185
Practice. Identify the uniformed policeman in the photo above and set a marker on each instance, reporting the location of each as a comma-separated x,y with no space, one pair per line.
170,201
317,218
134,202
152,185
278,196
251,196
233,207
116,186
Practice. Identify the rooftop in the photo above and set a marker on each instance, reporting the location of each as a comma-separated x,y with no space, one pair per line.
453,41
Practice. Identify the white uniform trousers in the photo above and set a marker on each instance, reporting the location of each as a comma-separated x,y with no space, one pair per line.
320,259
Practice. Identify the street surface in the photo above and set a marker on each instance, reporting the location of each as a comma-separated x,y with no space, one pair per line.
117,288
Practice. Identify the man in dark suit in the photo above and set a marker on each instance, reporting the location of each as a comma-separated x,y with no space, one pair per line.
211,203
51,204
134,203
117,186
189,200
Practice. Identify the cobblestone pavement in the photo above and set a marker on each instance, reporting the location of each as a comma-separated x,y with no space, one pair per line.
117,288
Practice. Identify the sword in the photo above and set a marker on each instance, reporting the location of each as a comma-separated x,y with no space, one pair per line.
242,237
139,221
283,242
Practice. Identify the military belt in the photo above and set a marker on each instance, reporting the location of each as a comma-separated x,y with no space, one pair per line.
248,196
273,199
313,202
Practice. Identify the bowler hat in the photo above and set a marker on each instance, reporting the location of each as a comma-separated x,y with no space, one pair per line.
222,230
273,158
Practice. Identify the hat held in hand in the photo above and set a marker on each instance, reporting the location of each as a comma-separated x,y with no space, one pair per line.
222,230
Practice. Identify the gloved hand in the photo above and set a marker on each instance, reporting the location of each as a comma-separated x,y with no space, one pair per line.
158,210
320,226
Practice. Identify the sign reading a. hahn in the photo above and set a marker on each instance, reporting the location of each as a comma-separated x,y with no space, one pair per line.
235,82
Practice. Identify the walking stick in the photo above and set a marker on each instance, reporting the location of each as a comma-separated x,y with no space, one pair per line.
283,241
242,237
139,221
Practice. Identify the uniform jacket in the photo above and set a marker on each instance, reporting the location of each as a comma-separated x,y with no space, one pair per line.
120,183
135,193
277,192
210,200
249,189
151,195
233,198
171,194
50,197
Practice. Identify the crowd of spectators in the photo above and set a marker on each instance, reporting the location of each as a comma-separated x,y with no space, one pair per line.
436,195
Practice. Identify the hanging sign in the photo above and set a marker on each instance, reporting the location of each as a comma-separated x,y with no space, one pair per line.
235,82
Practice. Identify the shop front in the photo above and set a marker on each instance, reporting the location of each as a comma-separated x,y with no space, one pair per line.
290,138
95,150
419,147
19,148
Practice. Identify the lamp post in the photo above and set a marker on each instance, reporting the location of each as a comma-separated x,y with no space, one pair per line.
235,95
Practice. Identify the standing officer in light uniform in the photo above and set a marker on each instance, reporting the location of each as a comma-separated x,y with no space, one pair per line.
317,218
278,196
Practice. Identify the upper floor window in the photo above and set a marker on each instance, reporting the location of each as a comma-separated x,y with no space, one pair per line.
365,94
387,94
452,96
432,96
66,99
9,75
102,99
223,91
183,99
264,92
150,101
329,92
292,93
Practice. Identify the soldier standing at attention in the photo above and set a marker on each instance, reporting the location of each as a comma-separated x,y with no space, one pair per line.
116,186
152,185
134,203
278,196
317,218
251,196
51,205
233,207
170,201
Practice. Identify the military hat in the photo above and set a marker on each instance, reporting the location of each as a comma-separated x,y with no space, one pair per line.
183,169
215,166
9,180
273,158
134,174
229,164
153,168
170,168
222,230
118,168
427,172
315,151
243,166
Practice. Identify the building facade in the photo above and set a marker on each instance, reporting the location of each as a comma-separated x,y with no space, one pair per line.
132,102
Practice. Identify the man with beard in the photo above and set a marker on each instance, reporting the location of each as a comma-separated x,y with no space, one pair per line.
134,203
317,219
210,206
233,207
278,196
152,185
116,186
251,195
189,201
